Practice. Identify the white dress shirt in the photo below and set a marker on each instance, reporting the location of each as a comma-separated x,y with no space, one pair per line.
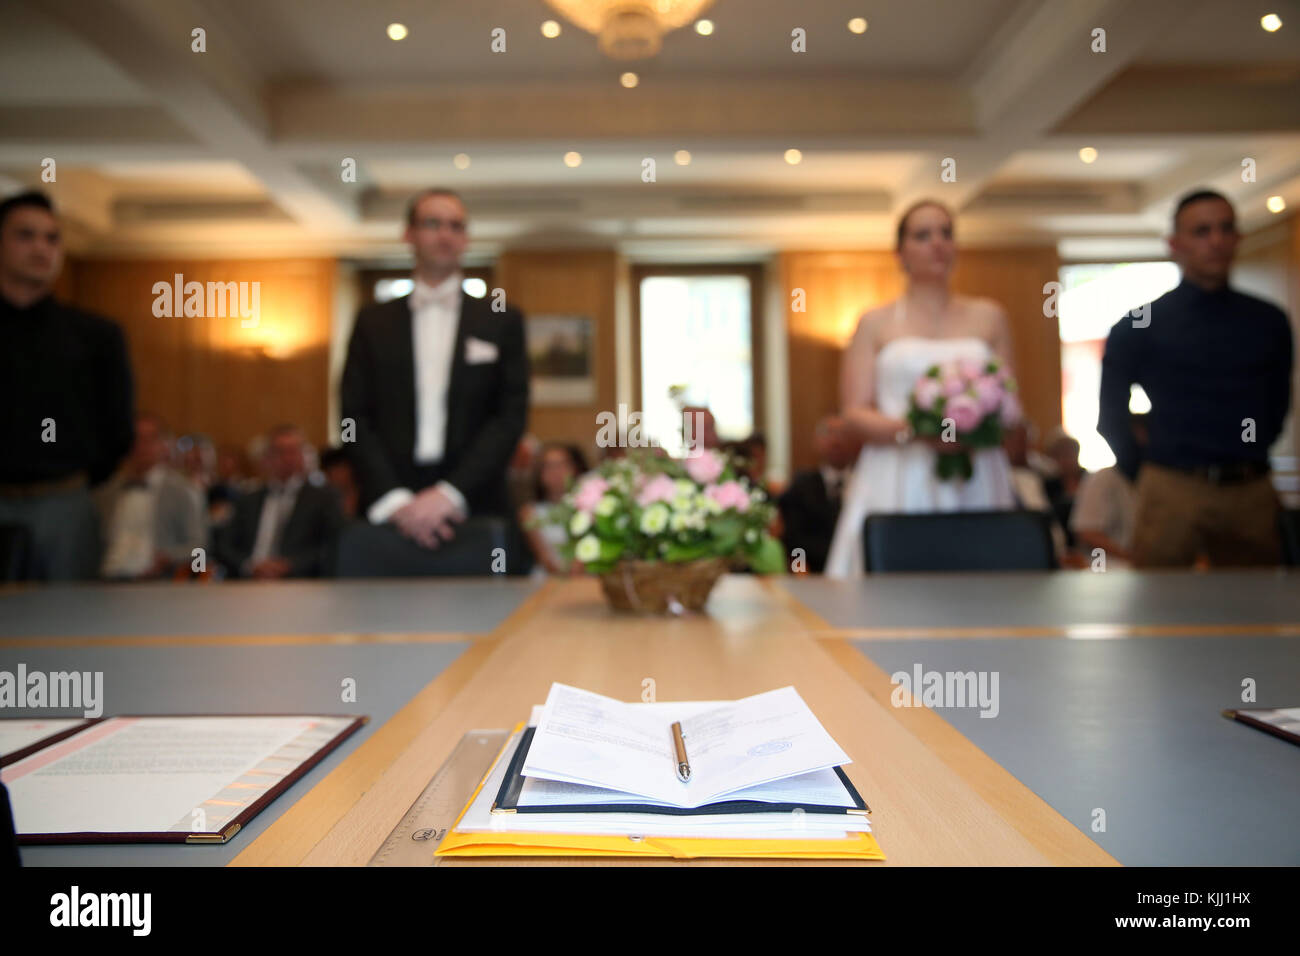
130,552
276,509
435,314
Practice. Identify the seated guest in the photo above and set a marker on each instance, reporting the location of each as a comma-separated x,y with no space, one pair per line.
699,428
522,475
153,517
1028,487
1216,365
290,528
342,477
811,505
1063,485
436,383
65,386
229,483
558,467
1106,507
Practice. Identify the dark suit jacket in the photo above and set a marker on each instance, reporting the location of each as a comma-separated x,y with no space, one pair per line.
310,534
809,516
487,403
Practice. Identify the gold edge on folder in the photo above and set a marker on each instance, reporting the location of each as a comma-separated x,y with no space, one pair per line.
497,809
1230,714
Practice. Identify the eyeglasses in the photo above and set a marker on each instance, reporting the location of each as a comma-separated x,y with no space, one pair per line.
433,224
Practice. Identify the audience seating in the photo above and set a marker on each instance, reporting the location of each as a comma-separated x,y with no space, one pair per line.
961,541
15,552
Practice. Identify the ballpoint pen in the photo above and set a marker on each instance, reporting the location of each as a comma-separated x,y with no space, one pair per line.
683,764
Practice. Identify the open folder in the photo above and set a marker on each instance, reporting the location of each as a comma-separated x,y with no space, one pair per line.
815,815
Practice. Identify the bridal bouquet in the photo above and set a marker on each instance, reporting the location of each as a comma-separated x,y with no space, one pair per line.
644,508
968,403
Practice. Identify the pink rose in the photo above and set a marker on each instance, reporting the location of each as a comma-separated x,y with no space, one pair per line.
658,488
589,493
729,494
964,412
704,467
926,393
953,385
970,368
1010,413
988,392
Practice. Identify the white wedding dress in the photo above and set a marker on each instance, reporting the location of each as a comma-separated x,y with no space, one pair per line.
901,478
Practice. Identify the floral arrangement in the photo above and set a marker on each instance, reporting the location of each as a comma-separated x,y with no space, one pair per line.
647,508
980,401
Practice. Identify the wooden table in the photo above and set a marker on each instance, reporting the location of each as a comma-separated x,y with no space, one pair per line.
937,799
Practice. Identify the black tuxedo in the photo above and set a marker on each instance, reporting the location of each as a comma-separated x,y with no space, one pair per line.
309,538
487,404
809,515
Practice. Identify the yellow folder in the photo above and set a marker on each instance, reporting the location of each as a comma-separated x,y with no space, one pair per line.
857,846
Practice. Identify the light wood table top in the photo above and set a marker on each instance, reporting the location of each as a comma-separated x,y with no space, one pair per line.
937,799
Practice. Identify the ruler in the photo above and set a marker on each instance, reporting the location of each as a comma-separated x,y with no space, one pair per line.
422,828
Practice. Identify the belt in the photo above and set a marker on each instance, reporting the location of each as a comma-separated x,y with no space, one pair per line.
39,489
1227,474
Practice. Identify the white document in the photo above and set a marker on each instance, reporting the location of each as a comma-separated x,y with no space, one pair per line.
479,818
17,734
160,774
588,739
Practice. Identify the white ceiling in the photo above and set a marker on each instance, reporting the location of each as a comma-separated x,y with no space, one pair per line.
237,150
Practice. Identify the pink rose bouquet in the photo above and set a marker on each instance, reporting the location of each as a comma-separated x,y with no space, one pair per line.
968,403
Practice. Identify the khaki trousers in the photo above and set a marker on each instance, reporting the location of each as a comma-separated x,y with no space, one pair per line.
1182,517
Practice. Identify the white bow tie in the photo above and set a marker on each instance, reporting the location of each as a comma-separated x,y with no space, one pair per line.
422,296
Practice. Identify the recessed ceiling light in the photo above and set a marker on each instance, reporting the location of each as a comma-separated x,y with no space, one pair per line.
1276,204
682,157
793,157
572,159
1270,22
461,160
1088,154
704,27
858,25
397,31
550,29
629,79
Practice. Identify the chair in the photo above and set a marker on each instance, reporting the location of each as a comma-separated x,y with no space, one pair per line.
959,541
1290,526
16,552
482,545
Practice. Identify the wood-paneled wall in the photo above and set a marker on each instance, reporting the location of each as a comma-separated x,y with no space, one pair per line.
574,282
210,374
839,286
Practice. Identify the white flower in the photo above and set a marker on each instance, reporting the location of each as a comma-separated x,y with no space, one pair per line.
607,506
680,521
588,549
654,519
579,524
751,536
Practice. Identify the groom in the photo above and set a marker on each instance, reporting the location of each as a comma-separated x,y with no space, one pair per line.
437,385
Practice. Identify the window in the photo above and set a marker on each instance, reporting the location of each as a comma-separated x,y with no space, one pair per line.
1093,298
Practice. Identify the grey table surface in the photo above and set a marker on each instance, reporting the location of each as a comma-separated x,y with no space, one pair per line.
469,605
1049,599
255,679
1133,727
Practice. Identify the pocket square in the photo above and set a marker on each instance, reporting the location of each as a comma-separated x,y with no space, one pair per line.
478,352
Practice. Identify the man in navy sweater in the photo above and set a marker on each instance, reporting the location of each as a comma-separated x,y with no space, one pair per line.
1216,364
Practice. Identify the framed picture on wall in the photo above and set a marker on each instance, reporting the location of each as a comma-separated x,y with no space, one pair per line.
561,349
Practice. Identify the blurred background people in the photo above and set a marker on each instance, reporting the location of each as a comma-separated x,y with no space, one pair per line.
811,505
1062,484
1216,365
558,467
437,383
290,527
1106,507
521,478
153,518
66,389
340,475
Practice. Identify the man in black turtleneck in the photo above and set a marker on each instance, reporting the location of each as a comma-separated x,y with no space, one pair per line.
65,387
1216,364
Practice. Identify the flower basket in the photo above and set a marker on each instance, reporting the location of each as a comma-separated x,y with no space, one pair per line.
657,587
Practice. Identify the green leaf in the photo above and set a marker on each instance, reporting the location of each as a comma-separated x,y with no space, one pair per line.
768,557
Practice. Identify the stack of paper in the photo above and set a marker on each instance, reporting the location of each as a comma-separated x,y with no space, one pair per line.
590,775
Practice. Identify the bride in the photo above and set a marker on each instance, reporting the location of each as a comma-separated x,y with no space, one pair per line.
892,347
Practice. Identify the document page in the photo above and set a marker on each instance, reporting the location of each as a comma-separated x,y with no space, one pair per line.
160,774
588,739
17,734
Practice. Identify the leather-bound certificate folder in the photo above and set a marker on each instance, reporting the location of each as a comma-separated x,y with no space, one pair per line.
164,779
1283,722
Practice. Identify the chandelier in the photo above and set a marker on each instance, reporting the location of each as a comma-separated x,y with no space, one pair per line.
630,29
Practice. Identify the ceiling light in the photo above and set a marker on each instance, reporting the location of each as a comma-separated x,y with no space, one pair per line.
704,27
461,160
397,31
629,79
682,157
858,25
630,29
550,29
1270,22
1088,154
793,157
1276,204
572,159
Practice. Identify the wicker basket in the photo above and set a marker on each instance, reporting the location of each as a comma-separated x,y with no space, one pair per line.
657,587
